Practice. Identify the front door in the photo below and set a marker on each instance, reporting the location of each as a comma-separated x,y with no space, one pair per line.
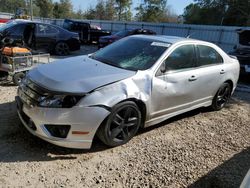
175,89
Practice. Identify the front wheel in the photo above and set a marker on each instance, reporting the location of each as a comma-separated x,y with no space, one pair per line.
17,78
62,48
121,125
222,97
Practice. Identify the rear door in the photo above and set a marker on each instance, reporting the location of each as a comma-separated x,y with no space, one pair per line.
210,71
46,36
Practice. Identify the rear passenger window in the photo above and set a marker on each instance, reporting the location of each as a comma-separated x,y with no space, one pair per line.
208,56
181,58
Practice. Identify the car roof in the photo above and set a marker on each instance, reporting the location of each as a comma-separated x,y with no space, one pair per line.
164,38
30,21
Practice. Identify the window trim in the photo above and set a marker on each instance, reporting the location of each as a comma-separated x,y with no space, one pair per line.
157,74
43,34
208,65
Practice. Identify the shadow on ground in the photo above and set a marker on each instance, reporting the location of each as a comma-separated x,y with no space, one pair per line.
228,175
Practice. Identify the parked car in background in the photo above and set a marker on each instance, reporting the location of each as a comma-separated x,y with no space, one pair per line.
242,50
104,41
87,33
136,82
41,37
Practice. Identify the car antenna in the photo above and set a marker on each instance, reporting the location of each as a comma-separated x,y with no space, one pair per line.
188,36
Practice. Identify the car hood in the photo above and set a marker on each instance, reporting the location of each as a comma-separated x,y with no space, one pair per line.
77,75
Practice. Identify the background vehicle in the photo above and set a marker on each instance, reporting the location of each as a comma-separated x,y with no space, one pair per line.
136,82
21,13
17,60
104,41
41,37
87,33
242,51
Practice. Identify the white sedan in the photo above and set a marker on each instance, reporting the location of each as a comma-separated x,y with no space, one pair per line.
135,82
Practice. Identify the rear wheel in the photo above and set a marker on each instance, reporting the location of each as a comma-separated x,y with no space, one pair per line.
121,125
222,97
17,78
3,76
62,48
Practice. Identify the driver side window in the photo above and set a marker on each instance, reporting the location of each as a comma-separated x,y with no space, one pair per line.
183,57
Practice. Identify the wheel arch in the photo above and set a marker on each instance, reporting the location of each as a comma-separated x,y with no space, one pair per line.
142,107
230,82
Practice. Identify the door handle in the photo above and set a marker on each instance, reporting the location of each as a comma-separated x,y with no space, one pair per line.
193,78
222,71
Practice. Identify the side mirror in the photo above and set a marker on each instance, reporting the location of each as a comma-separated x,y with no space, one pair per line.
163,68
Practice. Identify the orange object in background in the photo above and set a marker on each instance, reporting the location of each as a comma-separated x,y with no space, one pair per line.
15,51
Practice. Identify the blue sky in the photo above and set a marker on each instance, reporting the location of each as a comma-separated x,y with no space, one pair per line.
177,5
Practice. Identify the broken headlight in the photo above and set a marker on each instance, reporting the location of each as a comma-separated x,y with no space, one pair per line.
59,101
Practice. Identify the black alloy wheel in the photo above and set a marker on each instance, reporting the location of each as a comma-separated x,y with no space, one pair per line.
62,48
17,78
222,97
121,125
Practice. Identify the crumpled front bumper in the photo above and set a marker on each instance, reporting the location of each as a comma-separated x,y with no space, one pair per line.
81,119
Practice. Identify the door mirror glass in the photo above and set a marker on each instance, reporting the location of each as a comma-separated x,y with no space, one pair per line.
163,68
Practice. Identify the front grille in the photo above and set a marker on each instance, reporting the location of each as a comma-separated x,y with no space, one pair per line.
30,93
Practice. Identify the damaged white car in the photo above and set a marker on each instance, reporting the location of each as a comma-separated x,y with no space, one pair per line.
136,82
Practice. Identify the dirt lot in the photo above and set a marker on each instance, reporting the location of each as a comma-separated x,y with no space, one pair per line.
197,149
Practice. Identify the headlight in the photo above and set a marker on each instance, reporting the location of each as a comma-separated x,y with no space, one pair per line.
59,101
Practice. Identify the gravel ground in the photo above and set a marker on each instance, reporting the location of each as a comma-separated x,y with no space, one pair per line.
197,149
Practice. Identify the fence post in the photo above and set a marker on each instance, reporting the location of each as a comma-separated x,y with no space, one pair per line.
163,28
125,25
111,25
220,36
142,26
188,31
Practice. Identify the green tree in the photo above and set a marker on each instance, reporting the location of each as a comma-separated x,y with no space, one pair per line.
12,5
90,13
110,12
123,8
45,8
104,10
153,11
63,9
218,12
100,10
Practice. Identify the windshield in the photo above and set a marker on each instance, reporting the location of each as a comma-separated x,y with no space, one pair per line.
122,33
132,53
8,25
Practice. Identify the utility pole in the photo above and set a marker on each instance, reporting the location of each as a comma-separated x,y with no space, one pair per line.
31,9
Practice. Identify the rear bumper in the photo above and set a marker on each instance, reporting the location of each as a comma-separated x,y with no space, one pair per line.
81,119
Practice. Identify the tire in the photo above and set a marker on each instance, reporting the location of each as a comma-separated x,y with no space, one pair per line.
117,130
62,48
3,75
222,97
17,78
